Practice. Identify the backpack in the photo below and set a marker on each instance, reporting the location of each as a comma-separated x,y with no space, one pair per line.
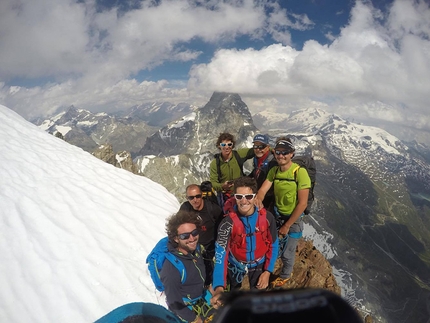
208,192
308,163
238,234
155,261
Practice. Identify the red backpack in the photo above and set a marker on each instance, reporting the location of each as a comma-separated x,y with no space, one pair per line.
238,236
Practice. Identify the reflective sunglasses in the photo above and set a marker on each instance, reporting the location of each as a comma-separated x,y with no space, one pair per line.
198,196
282,152
223,144
259,146
186,235
241,196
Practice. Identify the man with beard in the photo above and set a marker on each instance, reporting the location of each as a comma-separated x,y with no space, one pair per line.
247,243
188,299
211,215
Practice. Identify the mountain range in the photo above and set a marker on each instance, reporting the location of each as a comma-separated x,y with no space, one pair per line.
125,130
372,192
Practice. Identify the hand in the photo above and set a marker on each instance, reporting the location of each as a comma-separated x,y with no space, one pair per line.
197,320
227,185
258,203
263,280
215,300
284,230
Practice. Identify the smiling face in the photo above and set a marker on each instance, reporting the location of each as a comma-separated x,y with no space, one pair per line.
283,160
260,151
190,244
245,206
194,196
226,147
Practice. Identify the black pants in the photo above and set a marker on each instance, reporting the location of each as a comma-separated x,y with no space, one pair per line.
208,258
253,275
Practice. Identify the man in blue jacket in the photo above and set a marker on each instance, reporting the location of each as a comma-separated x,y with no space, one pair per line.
247,243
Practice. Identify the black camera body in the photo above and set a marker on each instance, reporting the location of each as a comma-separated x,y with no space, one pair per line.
304,305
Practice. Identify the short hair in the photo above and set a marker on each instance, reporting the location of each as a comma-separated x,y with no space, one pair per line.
225,136
179,218
245,181
283,138
193,186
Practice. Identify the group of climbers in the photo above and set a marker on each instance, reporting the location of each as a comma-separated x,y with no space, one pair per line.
210,247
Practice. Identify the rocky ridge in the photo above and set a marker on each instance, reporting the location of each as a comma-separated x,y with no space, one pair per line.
125,131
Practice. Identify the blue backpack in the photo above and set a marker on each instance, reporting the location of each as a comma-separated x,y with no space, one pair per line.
155,261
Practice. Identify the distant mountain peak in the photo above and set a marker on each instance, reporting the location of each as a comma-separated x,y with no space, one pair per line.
198,131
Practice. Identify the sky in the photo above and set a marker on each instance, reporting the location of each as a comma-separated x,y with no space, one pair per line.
75,231
364,58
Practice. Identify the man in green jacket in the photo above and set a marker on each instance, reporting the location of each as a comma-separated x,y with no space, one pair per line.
227,166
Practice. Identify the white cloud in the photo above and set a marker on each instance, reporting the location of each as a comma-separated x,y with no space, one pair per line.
91,57
42,38
370,61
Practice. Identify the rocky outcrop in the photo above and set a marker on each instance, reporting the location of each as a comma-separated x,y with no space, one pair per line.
311,269
121,159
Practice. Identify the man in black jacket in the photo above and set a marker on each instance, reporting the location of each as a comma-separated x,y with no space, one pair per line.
263,162
210,215
186,299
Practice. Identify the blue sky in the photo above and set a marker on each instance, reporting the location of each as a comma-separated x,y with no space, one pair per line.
328,16
367,59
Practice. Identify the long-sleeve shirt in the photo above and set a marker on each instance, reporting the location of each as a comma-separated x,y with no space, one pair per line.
224,239
193,286
230,169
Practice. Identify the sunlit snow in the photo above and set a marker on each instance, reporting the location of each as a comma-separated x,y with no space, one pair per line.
75,231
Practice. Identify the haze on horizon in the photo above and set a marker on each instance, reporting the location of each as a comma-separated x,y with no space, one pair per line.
358,59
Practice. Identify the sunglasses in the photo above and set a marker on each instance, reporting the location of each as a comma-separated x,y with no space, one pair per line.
223,144
259,146
186,235
282,152
198,196
241,196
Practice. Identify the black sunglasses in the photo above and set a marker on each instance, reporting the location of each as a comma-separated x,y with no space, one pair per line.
186,235
282,152
198,196
241,196
259,146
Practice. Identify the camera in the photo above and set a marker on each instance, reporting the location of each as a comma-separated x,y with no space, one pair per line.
305,305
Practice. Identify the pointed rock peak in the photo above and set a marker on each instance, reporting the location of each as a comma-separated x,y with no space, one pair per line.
218,97
224,102
71,108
